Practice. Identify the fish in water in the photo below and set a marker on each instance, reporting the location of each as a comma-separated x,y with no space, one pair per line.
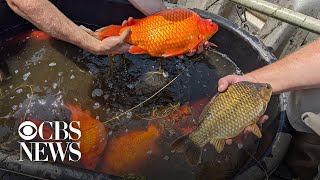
179,114
93,136
165,34
224,117
126,153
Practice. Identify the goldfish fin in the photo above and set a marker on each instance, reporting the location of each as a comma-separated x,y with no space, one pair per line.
255,130
173,52
112,30
137,50
192,151
218,144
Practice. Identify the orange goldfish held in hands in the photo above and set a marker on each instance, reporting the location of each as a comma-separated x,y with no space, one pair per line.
93,136
126,153
166,34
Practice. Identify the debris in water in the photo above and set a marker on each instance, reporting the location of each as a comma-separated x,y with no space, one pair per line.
72,77
16,71
127,130
60,73
42,101
14,107
25,76
54,85
165,74
19,91
166,158
105,97
130,86
97,92
149,152
52,64
36,57
97,117
37,89
110,133
96,105
11,86
129,115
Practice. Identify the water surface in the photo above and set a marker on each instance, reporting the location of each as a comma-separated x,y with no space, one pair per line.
42,74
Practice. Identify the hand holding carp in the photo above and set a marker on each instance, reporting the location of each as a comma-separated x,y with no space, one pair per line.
224,117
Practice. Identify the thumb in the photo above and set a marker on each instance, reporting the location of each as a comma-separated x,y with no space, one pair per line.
125,34
225,82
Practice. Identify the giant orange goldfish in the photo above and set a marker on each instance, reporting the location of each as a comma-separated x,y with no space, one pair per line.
126,153
93,136
167,33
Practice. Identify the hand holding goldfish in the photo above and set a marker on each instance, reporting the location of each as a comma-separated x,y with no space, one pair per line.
168,33
223,84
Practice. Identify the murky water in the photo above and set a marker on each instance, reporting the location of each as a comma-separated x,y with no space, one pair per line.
42,75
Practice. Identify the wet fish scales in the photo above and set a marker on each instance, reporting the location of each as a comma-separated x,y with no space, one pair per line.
225,116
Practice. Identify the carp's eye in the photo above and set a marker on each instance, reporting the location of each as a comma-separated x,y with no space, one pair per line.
268,86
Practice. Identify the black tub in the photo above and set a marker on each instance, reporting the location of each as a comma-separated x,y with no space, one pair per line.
244,49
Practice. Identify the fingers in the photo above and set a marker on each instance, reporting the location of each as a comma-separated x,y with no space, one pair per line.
192,52
124,35
180,56
263,119
225,82
126,21
200,48
209,44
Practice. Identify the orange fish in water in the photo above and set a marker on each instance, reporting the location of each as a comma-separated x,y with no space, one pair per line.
39,35
93,136
177,115
167,33
126,153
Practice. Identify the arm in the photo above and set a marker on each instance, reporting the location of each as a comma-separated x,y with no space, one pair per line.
48,18
300,70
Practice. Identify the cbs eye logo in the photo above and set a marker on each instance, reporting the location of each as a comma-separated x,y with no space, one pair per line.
27,130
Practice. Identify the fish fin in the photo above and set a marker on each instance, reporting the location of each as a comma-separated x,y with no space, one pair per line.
255,130
112,30
218,144
137,50
173,52
192,151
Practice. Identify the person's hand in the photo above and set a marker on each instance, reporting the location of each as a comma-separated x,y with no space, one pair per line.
148,7
111,45
223,85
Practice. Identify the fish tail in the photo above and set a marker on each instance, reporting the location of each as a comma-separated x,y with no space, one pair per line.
112,30
192,151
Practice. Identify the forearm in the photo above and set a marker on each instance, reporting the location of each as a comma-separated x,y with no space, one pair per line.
48,18
300,70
